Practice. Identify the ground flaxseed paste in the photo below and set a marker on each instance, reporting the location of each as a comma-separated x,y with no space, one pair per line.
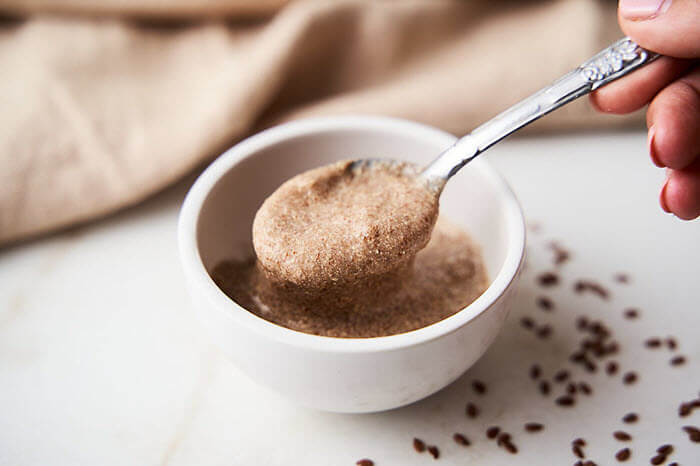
355,251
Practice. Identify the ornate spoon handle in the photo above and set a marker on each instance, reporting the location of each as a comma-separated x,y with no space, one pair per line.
622,57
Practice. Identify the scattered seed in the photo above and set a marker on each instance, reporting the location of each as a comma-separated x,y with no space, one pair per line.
571,388
622,436
471,410
510,447
545,303
673,464
535,371
653,343
630,418
631,314
630,378
623,455
479,387
684,409
578,451
461,440
597,328
586,285
434,452
565,400
527,322
561,254
544,387
658,459
678,361
585,388
579,441
693,433
545,331
418,445
492,432
671,343
589,463
503,437
548,279
589,365
561,376
611,368
533,427
665,449
578,463
622,278
365,462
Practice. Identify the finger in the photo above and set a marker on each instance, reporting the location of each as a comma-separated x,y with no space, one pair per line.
669,27
673,119
636,90
681,193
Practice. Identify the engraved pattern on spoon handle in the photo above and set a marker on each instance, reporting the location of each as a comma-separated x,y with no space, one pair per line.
619,59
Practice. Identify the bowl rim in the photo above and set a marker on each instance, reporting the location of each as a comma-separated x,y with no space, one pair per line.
200,281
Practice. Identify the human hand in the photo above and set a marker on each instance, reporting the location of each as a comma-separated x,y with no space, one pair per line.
671,85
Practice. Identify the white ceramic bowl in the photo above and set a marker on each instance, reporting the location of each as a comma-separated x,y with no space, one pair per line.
334,374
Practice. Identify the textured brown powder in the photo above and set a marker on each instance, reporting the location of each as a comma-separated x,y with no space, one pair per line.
446,276
343,223
357,270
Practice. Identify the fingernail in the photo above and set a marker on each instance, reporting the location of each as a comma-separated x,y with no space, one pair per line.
652,148
643,9
662,198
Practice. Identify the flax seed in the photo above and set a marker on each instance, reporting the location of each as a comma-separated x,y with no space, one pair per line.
479,387
622,436
585,388
461,440
434,452
471,410
533,427
548,279
678,360
665,449
623,455
418,445
653,343
565,400
545,303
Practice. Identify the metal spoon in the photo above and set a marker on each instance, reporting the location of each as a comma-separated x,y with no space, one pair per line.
619,59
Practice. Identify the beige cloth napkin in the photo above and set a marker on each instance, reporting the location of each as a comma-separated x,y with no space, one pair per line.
101,106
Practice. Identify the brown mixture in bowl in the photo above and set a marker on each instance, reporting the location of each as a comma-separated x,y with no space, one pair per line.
355,250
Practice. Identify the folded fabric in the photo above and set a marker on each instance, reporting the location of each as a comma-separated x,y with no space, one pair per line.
99,112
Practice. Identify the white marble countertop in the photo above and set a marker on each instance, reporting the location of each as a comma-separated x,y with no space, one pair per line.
101,362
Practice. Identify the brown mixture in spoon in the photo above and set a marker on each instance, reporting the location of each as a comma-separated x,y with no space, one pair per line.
343,223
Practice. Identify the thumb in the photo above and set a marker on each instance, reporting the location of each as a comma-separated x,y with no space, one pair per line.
668,27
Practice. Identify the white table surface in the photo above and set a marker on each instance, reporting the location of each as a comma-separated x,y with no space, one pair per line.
101,362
